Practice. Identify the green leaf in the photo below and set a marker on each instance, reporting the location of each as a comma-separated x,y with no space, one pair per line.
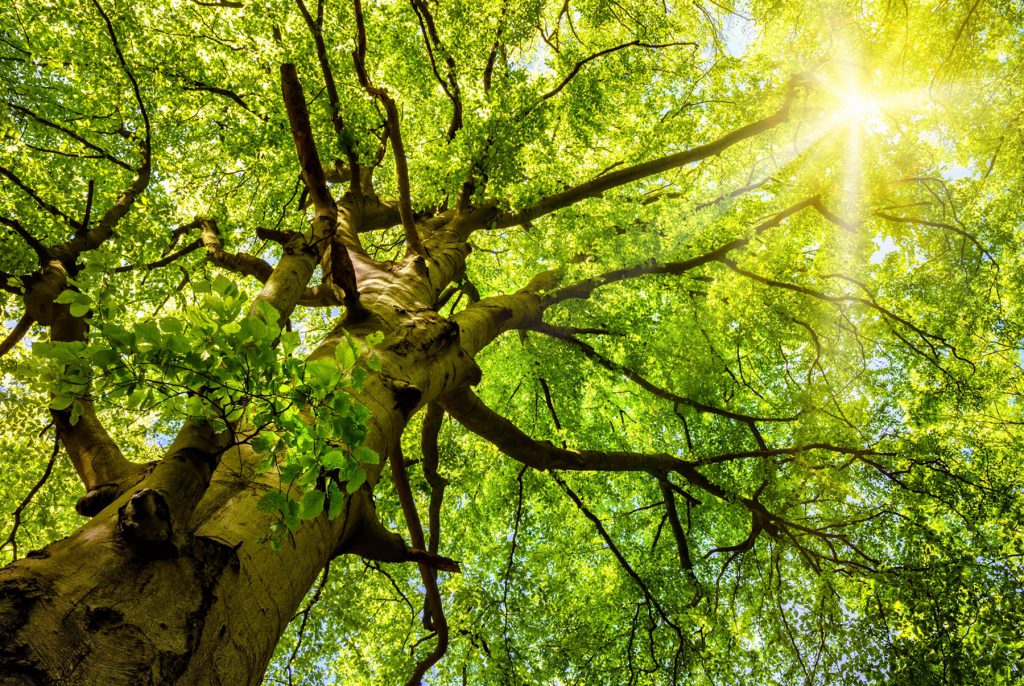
224,286
272,502
266,464
148,331
344,354
311,505
322,374
290,340
268,313
265,441
341,403
76,412
366,455
195,407
337,500
118,335
334,459
292,518
171,325
61,402
105,357
357,480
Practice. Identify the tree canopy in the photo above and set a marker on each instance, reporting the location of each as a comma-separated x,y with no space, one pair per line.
679,343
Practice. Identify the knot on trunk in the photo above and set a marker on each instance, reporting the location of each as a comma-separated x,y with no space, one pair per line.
407,396
93,502
145,524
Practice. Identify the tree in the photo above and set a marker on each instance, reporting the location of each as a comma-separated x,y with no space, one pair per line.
694,331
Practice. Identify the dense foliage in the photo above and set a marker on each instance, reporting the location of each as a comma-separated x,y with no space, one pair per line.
822,317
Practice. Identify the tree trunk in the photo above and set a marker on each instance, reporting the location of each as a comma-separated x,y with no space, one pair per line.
92,610
209,605
98,608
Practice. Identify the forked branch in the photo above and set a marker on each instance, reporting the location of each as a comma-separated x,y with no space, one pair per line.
591,353
344,140
429,447
394,132
632,573
449,85
437,621
583,289
302,134
636,172
471,412
601,53
12,536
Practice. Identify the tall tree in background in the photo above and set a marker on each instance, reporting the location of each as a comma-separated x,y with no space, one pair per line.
597,342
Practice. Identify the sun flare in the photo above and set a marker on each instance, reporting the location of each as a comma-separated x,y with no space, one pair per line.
855,105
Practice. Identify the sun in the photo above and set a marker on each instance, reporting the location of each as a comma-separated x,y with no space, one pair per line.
855,105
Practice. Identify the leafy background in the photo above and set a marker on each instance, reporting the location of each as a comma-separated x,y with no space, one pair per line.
542,598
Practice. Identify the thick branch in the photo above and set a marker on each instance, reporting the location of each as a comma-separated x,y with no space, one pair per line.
483,321
428,444
583,289
241,263
371,540
344,140
468,410
591,353
472,413
394,132
677,528
99,462
16,334
493,55
302,133
599,185
437,622
338,265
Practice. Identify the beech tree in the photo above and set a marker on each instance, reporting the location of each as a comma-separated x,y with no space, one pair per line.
610,341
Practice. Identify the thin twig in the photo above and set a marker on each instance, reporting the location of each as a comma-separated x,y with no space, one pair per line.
12,536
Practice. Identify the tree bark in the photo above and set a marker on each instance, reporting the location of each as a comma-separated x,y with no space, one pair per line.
105,606
126,599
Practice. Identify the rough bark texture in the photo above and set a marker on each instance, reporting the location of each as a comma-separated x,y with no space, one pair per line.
131,599
170,582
